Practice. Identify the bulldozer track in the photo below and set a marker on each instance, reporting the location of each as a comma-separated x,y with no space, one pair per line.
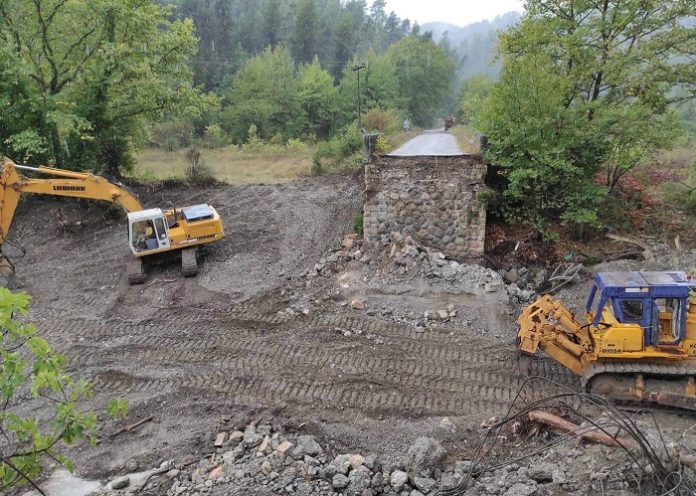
655,369
276,391
275,359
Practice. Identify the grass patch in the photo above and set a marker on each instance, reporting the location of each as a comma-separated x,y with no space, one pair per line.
230,165
402,137
466,139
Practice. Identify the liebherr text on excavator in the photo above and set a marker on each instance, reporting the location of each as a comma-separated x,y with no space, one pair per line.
150,231
639,342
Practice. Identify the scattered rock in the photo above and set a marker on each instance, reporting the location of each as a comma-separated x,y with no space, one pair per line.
217,472
359,481
340,481
251,437
541,473
342,464
398,480
348,243
424,484
424,455
493,286
236,437
558,477
519,489
357,304
306,445
121,483
220,439
265,446
356,461
284,449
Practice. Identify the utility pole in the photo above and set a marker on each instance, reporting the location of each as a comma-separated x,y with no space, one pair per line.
357,68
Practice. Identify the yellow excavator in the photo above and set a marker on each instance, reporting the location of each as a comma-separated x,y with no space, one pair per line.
150,231
638,344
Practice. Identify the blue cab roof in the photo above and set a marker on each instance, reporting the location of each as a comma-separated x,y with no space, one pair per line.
645,284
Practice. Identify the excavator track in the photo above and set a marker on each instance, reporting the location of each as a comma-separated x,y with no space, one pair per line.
189,262
135,272
640,383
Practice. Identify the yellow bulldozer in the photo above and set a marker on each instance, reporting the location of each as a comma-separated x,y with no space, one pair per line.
150,231
638,343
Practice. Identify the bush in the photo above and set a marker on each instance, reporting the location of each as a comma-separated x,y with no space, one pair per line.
317,168
690,194
381,120
296,145
277,139
172,134
197,172
341,145
358,225
383,144
214,137
30,368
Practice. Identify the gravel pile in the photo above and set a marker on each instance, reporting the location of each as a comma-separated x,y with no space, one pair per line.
260,460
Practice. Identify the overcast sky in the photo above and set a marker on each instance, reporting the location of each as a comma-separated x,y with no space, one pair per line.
458,12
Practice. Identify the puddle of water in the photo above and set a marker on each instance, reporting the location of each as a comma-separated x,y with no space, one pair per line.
63,483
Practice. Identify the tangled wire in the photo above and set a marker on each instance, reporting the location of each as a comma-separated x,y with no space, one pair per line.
655,475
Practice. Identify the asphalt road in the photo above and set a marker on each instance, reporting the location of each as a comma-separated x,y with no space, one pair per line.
436,142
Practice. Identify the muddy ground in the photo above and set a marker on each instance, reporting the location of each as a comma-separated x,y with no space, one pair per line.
220,350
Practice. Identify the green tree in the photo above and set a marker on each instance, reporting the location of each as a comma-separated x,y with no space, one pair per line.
86,84
472,96
379,87
425,75
317,98
31,369
264,93
272,23
304,41
586,88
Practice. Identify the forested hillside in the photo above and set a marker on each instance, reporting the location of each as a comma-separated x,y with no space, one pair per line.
476,45
232,31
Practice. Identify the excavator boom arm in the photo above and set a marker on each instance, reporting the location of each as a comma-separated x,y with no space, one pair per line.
64,183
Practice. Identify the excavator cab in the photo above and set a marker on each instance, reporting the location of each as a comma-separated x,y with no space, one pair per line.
147,232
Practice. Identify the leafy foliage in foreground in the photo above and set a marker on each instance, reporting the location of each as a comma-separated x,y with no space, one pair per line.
30,370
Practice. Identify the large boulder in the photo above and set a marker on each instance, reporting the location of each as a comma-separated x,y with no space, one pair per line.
424,455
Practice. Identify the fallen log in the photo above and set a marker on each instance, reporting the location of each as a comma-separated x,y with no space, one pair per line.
129,428
688,461
647,253
586,433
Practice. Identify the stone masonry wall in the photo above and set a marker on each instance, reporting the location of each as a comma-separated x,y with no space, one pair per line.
435,200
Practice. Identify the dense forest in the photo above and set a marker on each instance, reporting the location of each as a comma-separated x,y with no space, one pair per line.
85,83
232,31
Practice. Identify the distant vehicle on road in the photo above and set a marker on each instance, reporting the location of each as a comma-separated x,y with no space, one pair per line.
450,121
